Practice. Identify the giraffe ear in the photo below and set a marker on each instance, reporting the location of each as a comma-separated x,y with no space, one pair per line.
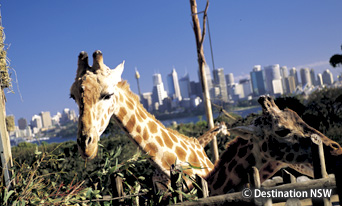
116,73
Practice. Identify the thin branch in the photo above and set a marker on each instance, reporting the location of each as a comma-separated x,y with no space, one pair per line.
204,22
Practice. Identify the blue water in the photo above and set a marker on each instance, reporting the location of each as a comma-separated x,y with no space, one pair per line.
192,119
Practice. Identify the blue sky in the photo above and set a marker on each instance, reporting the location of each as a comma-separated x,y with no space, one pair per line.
45,38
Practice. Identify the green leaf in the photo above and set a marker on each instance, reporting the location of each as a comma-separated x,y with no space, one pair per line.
7,195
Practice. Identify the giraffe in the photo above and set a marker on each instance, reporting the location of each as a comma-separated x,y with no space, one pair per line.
101,93
277,139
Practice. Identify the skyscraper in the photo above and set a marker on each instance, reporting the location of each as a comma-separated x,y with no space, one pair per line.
22,123
173,85
293,72
158,92
273,79
36,122
184,85
327,77
305,76
230,79
284,74
258,81
46,119
313,77
319,80
220,82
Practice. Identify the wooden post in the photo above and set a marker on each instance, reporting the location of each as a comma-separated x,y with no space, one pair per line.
201,62
117,189
202,191
319,167
288,177
254,180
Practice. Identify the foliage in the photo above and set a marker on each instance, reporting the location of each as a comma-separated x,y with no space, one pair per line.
336,60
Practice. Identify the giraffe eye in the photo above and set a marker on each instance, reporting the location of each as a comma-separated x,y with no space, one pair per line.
105,96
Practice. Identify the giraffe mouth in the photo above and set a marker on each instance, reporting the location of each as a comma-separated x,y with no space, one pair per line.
89,152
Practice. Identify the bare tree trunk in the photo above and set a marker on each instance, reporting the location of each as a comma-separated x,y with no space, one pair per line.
201,62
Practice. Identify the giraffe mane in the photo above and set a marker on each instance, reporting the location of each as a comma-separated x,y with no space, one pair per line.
124,85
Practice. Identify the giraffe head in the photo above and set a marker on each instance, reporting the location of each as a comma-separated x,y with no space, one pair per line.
93,92
282,135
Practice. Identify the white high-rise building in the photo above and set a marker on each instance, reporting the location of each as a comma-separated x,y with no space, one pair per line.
313,77
158,93
36,122
327,77
273,79
230,79
284,74
293,72
173,85
221,83
319,81
306,77
46,119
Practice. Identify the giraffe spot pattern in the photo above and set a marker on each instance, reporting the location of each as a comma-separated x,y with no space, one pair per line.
122,113
183,145
167,139
181,154
141,113
129,104
152,126
168,159
160,141
138,129
130,124
173,138
145,134
151,149
193,159
138,139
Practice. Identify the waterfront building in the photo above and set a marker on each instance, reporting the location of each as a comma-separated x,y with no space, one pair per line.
173,85
184,85
313,77
36,122
258,81
273,80
293,72
327,77
22,123
220,82
46,119
158,92
306,77
319,80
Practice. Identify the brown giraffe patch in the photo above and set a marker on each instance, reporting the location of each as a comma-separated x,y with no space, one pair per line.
168,159
142,114
138,129
129,104
130,124
138,139
121,98
184,145
173,137
181,154
152,126
151,148
160,141
139,117
122,113
193,159
145,134
167,139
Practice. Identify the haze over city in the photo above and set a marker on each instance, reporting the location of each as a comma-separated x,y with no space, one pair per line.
45,39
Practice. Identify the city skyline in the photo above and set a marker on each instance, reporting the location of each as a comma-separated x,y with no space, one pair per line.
46,38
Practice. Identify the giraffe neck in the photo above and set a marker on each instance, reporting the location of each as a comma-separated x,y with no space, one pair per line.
231,170
166,147
210,134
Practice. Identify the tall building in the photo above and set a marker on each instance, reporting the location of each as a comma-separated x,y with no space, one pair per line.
313,77
273,79
158,92
246,86
290,84
319,80
173,85
184,85
230,79
22,123
284,74
293,72
305,76
258,81
196,89
36,122
46,119
327,77
220,82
